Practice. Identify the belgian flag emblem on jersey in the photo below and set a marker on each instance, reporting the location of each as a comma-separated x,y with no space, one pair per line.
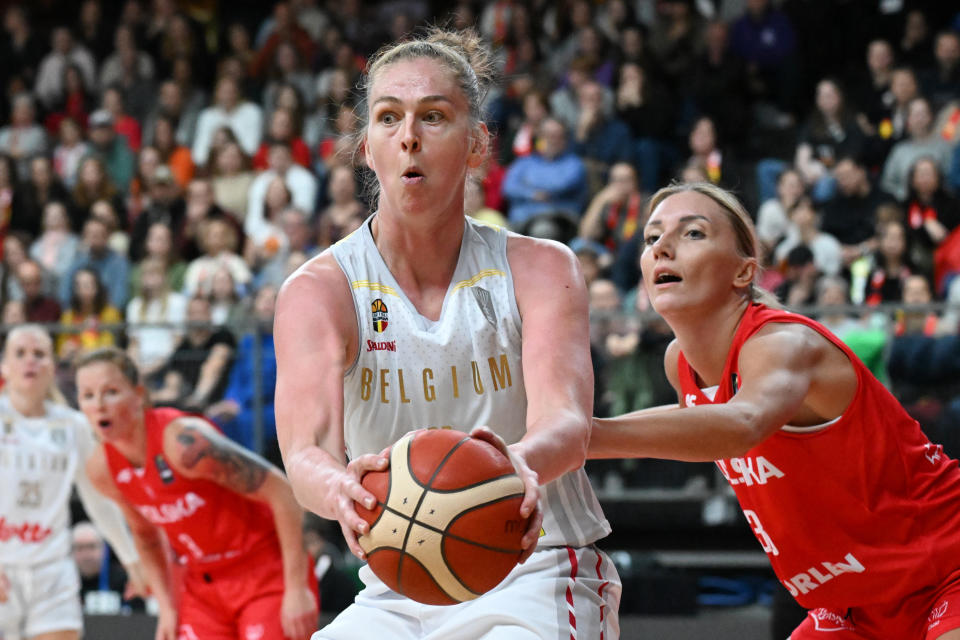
379,310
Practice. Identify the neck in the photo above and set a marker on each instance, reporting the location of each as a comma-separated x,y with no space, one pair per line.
134,448
705,338
421,253
31,407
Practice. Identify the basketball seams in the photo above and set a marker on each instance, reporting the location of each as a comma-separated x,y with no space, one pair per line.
472,485
445,511
423,495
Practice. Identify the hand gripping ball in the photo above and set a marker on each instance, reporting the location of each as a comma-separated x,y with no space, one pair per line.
446,527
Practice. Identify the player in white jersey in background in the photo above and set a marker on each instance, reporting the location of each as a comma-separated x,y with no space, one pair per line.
422,318
43,450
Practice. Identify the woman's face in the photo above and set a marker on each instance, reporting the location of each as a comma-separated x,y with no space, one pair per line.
277,196
926,177
419,140
27,364
158,241
229,160
109,401
70,133
221,287
893,241
152,279
55,217
689,259
828,98
91,175
40,173
790,187
85,286
703,137
148,162
281,125
533,109
13,252
163,134
342,184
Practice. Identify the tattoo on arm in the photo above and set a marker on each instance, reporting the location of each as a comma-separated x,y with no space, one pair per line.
235,468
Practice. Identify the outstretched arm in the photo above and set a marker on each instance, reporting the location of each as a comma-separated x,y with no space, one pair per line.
315,333
787,371
196,449
149,542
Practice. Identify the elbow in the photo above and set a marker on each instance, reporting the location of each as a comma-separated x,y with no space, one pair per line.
578,444
751,430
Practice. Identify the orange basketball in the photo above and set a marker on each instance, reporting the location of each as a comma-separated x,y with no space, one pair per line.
447,524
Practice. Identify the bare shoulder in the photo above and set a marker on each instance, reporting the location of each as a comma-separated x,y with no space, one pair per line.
792,343
98,471
195,449
315,303
316,283
537,262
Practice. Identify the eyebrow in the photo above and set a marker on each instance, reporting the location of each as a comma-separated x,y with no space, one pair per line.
683,219
395,100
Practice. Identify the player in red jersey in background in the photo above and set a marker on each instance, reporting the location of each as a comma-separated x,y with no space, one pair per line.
857,510
228,515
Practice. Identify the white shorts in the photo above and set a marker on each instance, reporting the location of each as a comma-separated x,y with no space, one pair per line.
559,593
42,598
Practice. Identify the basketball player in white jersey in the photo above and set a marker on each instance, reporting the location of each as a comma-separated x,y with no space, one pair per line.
43,450
423,318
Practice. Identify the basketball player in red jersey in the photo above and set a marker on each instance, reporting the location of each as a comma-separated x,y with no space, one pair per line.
229,516
857,510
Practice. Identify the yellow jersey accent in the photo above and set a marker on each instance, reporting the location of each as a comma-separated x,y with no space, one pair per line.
486,273
374,286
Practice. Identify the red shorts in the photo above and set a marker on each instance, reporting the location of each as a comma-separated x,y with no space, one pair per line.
925,615
240,601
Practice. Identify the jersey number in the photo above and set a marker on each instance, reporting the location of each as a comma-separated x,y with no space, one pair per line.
30,494
754,521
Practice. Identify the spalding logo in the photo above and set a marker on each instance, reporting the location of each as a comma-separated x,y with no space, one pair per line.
379,310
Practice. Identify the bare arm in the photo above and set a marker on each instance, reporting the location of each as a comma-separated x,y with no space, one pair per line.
590,224
557,370
788,371
315,333
196,450
210,372
149,542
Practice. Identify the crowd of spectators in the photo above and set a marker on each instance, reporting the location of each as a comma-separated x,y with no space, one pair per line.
165,164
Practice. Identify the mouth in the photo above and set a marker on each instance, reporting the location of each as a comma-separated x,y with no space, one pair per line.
103,423
666,277
411,176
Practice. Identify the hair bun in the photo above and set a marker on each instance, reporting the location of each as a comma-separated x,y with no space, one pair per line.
468,43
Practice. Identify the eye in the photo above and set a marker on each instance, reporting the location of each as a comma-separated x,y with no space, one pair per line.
387,117
649,239
696,234
433,116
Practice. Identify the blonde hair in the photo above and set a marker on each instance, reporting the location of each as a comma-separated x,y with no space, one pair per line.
748,246
53,393
114,356
461,52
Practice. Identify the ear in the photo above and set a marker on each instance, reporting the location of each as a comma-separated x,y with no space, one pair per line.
366,153
746,274
479,142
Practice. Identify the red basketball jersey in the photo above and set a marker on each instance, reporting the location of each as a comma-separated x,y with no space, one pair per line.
206,524
862,511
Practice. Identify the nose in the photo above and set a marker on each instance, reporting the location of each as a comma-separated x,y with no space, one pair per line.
410,140
663,246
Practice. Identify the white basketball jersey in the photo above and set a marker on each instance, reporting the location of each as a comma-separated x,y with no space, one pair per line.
460,372
38,464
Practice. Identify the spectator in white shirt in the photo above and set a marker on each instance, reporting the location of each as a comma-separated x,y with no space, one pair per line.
244,119
301,183
49,85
